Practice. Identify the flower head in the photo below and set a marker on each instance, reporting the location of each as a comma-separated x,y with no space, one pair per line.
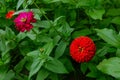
82,49
10,14
24,20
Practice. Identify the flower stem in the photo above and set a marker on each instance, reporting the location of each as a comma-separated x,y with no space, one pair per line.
34,31
42,12
59,33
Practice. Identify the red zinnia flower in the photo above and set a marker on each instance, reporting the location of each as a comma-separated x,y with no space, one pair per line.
10,14
24,20
82,49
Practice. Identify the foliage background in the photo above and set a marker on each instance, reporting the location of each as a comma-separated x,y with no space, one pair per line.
43,52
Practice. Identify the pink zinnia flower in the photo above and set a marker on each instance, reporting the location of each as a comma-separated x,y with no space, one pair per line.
24,20
82,49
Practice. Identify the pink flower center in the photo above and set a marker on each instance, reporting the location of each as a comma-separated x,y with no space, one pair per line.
23,19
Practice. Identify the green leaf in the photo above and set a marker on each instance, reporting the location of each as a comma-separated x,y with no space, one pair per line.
59,20
35,67
101,52
56,40
42,74
42,24
55,66
6,58
43,38
34,54
10,34
30,2
31,35
118,52
65,29
50,1
48,48
2,44
10,44
20,65
25,47
116,20
110,66
2,2
3,71
82,3
95,13
54,76
20,36
102,78
67,63
68,1
82,32
83,67
109,36
9,76
19,3
60,49
91,74
113,12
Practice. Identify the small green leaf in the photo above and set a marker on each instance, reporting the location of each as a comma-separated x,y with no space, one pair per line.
42,24
20,65
54,76
91,74
48,48
50,1
6,58
35,67
30,2
101,52
34,54
31,35
10,44
2,44
9,34
95,14
82,32
67,63
65,29
3,71
20,36
1,62
59,20
110,66
43,38
83,67
19,3
82,3
60,49
42,74
109,36
9,76
118,52
113,12
56,40
55,66
68,1
116,20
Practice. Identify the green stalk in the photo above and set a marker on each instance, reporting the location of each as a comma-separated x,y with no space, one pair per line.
49,22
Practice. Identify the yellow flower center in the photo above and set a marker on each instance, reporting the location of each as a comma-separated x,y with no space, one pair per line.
80,49
23,19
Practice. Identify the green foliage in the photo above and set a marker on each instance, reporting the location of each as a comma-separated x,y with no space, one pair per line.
110,66
109,36
43,52
55,66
